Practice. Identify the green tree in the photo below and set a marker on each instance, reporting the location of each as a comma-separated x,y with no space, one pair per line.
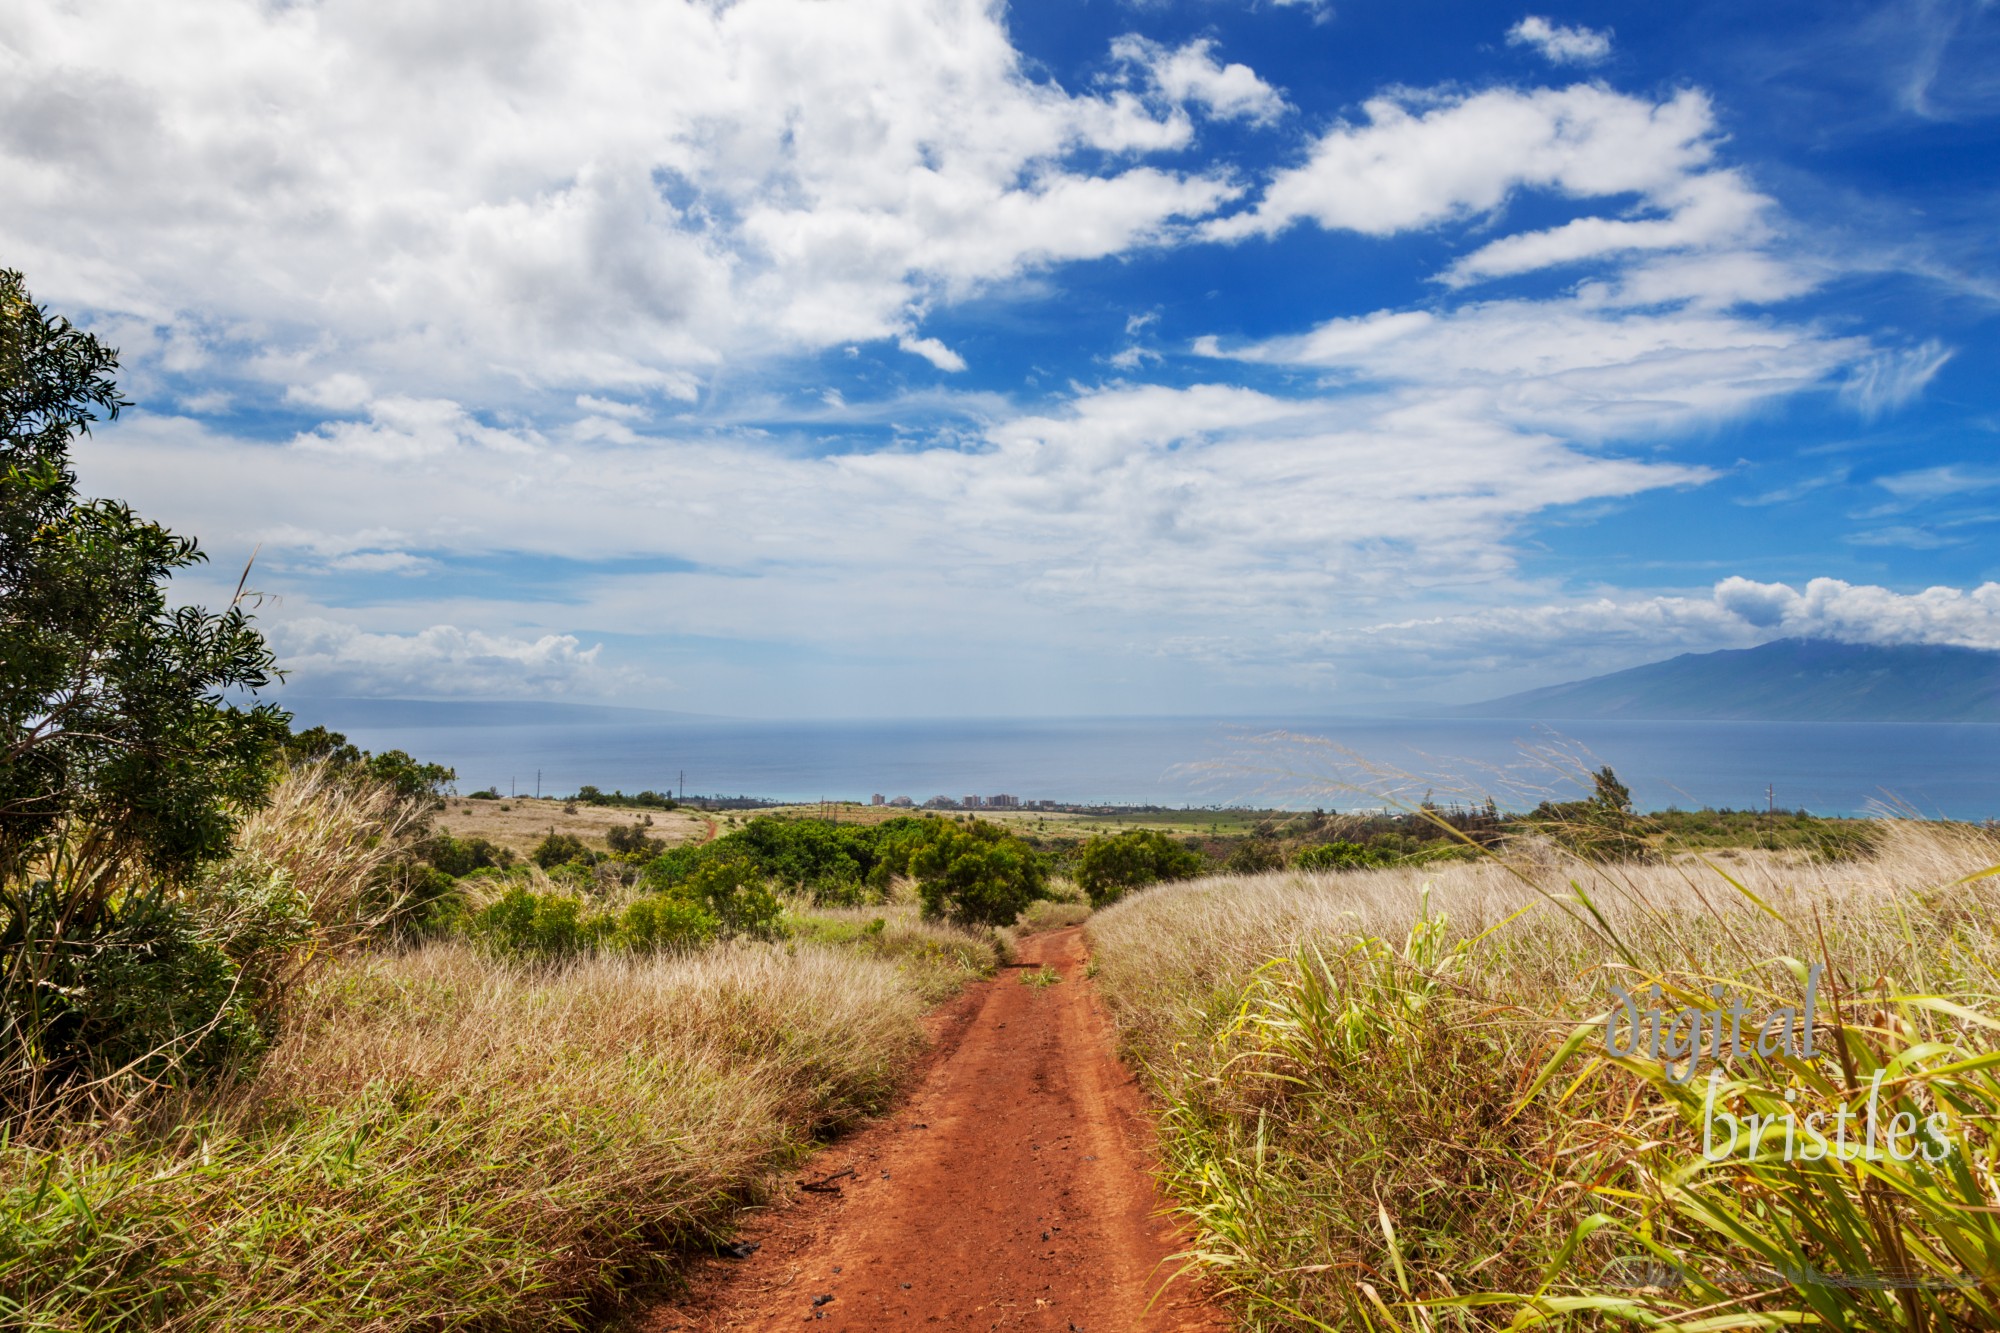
411,779
1602,828
123,768
1110,867
115,738
1611,800
977,874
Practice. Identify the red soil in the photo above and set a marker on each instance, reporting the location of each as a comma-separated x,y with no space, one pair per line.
1011,1191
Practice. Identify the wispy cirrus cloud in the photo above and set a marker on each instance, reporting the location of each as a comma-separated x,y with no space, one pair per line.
1893,377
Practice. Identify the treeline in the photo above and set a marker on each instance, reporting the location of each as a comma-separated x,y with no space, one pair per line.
639,894
645,800
1601,826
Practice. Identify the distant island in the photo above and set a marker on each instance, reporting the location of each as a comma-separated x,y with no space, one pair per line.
343,713
1790,680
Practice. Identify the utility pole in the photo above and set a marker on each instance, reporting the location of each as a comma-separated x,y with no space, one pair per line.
510,789
1770,798
538,784
684,784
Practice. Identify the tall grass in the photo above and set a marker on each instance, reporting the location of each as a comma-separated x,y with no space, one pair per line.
331,836
115,982
1387,1105
441,1142
933,959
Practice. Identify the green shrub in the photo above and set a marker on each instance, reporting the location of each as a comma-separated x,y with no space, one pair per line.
1109,867
733,891
977,874
1254,856
459,857
656,923
630,840
670,869
897,843
138,984
542,926
836,865
829,861
155,983
429,898
560,849
1340,855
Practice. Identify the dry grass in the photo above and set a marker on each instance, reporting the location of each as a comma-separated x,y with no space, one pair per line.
439,1142
1216,930
329,835
1051,915
932,958
1346,1082
521,822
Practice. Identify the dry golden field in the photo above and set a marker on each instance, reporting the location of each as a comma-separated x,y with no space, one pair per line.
521,822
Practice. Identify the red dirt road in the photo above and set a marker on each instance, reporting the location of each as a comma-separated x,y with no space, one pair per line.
1010,1192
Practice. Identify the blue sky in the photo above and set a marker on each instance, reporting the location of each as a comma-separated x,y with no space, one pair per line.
796,357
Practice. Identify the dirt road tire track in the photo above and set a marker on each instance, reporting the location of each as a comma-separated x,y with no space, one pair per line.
1011,1191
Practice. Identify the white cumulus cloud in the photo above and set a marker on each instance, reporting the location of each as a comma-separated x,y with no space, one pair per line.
1737,612
1560,44
1421,160
326,656
616,195
1577,365
1192,74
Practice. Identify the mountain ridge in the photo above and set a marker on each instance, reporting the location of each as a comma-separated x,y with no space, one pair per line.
1786,680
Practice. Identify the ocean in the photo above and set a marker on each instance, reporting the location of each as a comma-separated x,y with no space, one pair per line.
1934,770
